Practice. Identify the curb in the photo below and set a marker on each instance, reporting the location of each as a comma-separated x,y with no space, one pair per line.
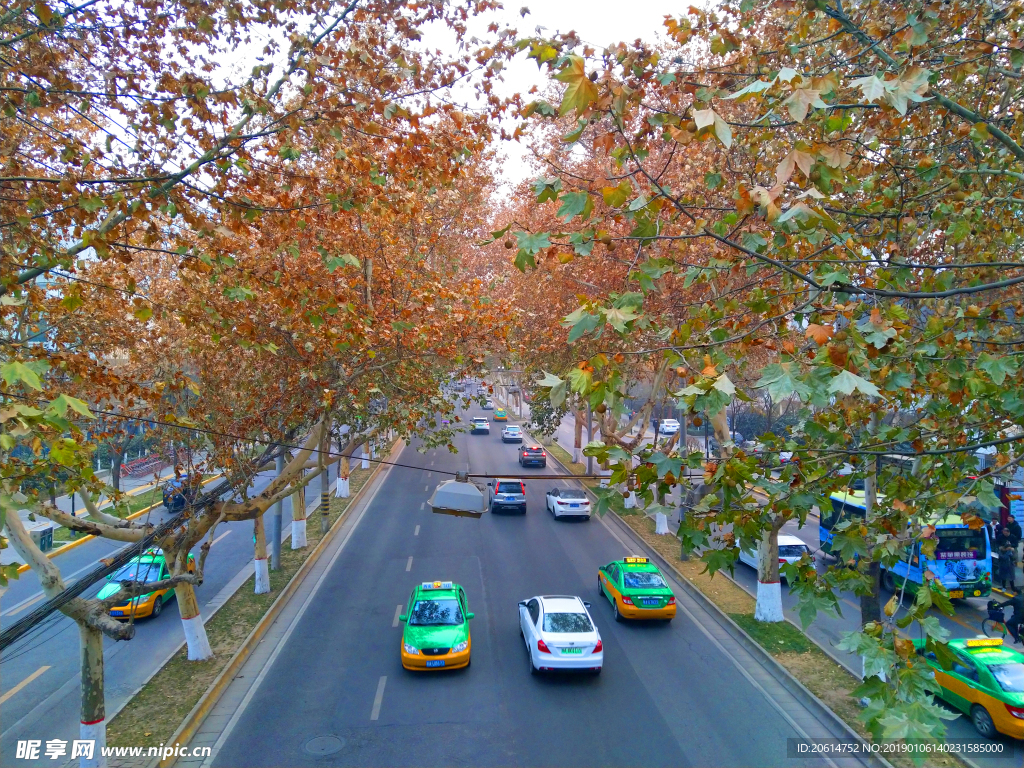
190,725
797,689
89,537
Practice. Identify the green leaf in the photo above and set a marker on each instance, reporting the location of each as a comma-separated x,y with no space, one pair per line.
532,243
618,317
90,204
585,324
579,91
62,402
847,383
576,204
614,197
713,180
781,381
19,372
143,313
998,368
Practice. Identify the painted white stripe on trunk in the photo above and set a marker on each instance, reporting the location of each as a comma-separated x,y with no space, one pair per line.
28,680
262,576
417,531
398,612
196,639
96,733
408,565
379,698
298,533
769,602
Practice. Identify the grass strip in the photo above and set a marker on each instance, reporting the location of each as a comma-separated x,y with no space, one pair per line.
826,679
156,711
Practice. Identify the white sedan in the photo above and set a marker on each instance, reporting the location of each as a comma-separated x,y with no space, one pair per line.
791,549
568,502
668,427
560,635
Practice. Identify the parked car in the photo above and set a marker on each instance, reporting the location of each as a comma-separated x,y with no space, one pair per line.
532,456
791,549
506,495
512,434
480,426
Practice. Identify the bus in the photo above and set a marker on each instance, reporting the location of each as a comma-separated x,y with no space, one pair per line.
962,561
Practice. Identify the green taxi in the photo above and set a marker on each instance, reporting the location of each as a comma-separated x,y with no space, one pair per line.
636,589
985,681
500,414
436,633
150,566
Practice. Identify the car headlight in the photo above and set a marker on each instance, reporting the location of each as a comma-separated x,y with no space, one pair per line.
460,647
410,649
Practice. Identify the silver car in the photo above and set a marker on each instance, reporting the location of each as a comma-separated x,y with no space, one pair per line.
506,495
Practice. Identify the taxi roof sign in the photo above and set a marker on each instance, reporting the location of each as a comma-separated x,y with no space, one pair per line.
436,585
635,560
983,642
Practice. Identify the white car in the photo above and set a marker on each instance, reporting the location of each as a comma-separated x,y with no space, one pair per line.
512,434
560,635
791,549
489,405
480,424
668,427
568,502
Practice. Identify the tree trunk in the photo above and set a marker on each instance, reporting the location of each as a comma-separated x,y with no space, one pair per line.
577,435
116,452
94,717
192,622
299,518
341,491
364,462
769,588
262,566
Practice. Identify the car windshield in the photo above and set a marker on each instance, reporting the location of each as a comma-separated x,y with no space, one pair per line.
432,613
1009,676
567,622
132,572
792,550
510,488
572,493
643,580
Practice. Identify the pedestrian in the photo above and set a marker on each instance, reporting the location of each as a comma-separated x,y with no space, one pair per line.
1006,570
1014,529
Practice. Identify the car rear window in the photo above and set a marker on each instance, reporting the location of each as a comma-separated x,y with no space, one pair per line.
1009,676
572,493
533,450
792,550
513,487
643,580
567,622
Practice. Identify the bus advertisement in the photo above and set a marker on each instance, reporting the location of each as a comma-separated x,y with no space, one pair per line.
962,561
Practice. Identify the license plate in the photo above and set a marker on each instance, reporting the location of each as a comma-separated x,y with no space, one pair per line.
572,650
574,506
510,498
651,602
956,593
117,613
435,662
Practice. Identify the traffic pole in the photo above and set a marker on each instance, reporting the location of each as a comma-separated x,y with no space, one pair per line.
275,526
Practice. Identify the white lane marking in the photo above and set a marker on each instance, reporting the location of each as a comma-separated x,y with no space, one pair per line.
426,487
417,531
23,683
219,537
408,565
398,612
431,462
379,698
423,505
25,603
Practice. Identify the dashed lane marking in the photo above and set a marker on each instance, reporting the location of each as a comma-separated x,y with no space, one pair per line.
379,698
408,565
417,531
398,612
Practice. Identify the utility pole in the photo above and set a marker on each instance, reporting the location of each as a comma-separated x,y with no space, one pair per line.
275,526
590,438
870,610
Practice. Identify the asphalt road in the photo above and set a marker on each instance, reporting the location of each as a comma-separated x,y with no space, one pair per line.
667,695
47,707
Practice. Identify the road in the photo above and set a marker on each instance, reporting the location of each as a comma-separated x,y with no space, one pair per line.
47,706
668,694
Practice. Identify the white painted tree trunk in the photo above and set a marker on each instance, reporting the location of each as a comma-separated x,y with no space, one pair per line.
661,524
630,502
364,461
341,490
769,590
192,623
299,519
97,734
262,564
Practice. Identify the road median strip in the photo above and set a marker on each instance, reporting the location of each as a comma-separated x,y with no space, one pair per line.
171,706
